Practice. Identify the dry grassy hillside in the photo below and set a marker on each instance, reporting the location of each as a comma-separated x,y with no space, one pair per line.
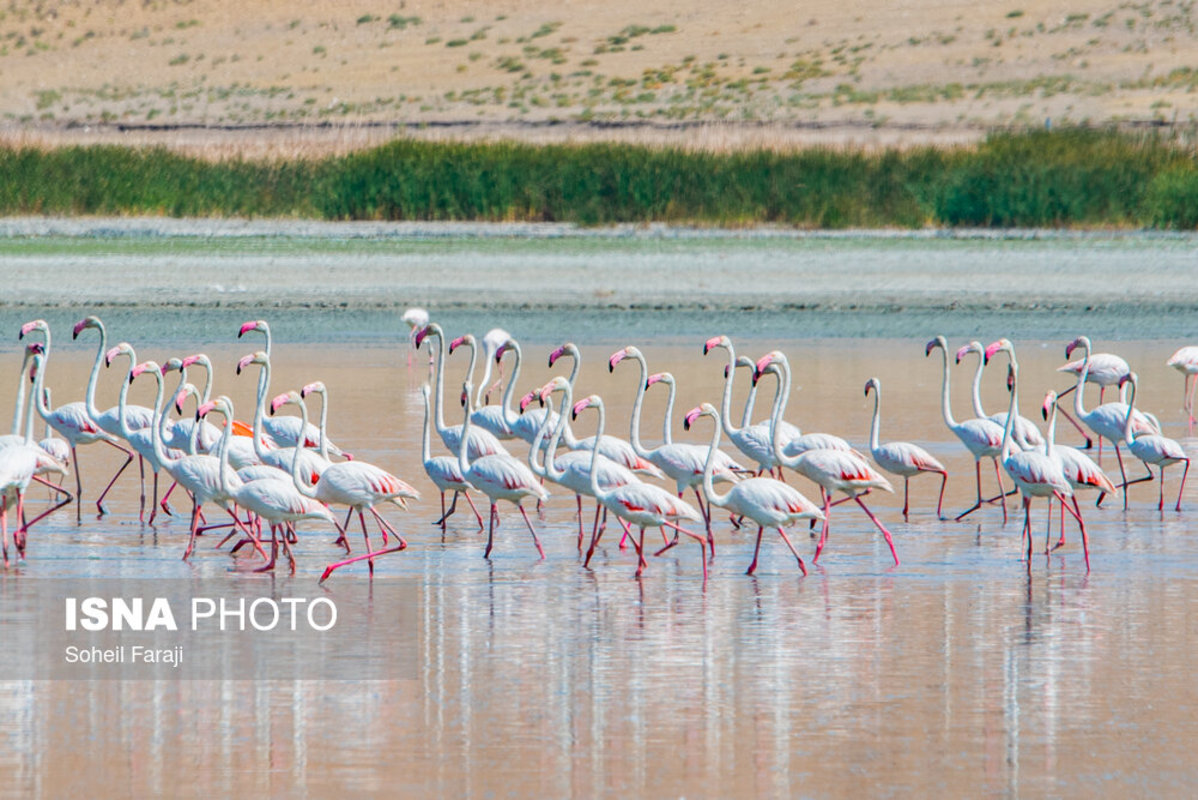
868,71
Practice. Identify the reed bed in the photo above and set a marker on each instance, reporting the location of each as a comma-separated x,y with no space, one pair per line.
1067,178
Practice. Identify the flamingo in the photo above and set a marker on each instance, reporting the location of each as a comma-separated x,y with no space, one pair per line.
902,458
1106,420
488,419
1185,361
493,340
359,485
1106,369
833,471
980,436
572,469
766,501
1027,436
614,448
1035,474
752,440
283,431
1079,469
444,471
682,463
480,442
179,433
498,476
502,420
415,319
142,440
281,457
640,504
1153,448
277,502
199,474
19,463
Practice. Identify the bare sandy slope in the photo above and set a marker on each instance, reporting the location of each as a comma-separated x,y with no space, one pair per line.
747,73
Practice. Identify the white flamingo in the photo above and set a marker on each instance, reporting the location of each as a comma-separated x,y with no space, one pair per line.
902,458
415,319
498,476
1185,361
1152,448
640,504
1026,434
444,471
1079,469
479,441
981,437
768,502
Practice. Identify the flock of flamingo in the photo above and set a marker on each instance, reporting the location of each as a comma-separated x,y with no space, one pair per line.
282,469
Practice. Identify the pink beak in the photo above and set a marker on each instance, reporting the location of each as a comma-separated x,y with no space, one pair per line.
187,362
111,354
927,351
140,368
180,399
526,399
503,348
27,327
307,390
278,401
246,328
580,405
456,343
203,410
545,391
79,326
764,362
556,354
420,335
992,349
616,359
655,377
691,416
711,343
961,353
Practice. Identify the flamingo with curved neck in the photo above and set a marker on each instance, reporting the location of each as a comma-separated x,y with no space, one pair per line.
902,458
1153,448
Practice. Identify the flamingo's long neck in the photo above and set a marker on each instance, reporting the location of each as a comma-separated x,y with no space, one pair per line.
123,401
945,406
726,403
600,494
1050,439
159,422
1012,411
877,420
39,377
463,444
637,447
667,434
746,419
205,396
709,467
223,454
568,433
551,470
260,410
303,488
324,421
175,393
776,417
509,414
434,330
426,454
977,387
1129,435
89,397
18,411
1082,374
193,437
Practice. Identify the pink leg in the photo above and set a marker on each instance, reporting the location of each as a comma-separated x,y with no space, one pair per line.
756,550
906,496
128,460
940,501
881,527
165,504
977,468
1082,525
477,515
490,532
702,544
1183,485
531,530
786,539
4,528
706,514
823,536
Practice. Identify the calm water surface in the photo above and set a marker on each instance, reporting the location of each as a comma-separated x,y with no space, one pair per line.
958,673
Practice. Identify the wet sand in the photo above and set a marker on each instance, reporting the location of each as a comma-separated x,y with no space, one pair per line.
959,672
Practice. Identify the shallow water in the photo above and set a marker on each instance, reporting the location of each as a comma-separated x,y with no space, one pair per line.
959,672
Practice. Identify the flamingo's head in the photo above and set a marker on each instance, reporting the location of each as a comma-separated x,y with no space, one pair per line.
145,366
198,358
182,396
259,358
124,348
172,364
620,355
283,399
415,318
467,387
873,383
503,348
558,384
316,387
253,325
704,409
591,400
30,327
462,399
939,341
716,341
527,399
1003,344
1081,341
973,347
774,357
1130,377
1050,400
222,405
657,377
34,349
38,359
425,332
84,324
461,340
561,351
